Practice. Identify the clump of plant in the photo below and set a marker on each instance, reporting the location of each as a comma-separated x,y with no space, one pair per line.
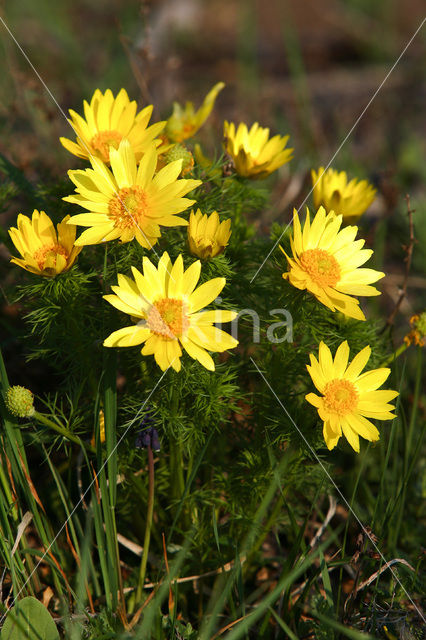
200,374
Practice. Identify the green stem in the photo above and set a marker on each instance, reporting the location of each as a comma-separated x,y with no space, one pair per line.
40,417
403,347
148,526
408,453
345,537
176,454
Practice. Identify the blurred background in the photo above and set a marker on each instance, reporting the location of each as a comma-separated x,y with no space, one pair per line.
306,68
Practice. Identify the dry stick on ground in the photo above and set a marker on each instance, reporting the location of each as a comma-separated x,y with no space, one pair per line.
409,251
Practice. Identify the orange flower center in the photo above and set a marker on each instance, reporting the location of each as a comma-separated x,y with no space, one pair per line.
188,129
340,396
103,140
321,266
168,318
128,208
48,251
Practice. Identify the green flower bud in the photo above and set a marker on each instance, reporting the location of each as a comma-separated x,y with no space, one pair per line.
421,323
20,401
180,152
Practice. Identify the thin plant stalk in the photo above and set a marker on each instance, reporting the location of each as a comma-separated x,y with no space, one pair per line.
409,440
61,430
148,526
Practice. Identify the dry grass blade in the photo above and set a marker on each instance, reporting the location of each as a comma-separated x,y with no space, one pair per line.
28,516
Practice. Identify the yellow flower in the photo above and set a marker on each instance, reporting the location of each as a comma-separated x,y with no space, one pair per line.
129,201
44,251
207,236
168,304
335,193
109,120
255,155
101,429
325,261
185,122
348,397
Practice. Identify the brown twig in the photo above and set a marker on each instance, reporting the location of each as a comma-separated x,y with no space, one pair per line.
372,578
409,254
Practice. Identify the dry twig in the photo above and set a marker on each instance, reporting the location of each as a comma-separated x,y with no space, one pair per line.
409,254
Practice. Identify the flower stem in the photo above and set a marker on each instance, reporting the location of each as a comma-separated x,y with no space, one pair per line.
403,347
176,454
40,417
150,511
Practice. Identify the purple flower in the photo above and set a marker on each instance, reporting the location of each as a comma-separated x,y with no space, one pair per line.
148,434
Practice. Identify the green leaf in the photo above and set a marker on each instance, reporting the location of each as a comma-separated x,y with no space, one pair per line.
29,620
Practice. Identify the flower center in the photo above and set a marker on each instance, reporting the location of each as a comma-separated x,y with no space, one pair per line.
188,129
103,140
128,207
340,396
47,251
168,318
321,266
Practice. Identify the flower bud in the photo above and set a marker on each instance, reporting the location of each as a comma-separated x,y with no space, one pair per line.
417,334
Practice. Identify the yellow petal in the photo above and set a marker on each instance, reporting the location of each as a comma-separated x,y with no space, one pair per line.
198,353
372,380
127,337
341,359
205,294
331,439
363,427
357,365
350,435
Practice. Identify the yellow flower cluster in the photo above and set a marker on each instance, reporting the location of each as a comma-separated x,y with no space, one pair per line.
134,189
326,261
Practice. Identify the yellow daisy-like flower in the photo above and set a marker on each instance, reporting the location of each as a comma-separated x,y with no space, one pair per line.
130,200
107,122
44,251
255,155
333,191
185,122
326,261
348,397
207,236
169,307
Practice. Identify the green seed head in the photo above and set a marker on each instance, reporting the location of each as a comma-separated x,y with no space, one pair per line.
20,401
180,152
420,323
